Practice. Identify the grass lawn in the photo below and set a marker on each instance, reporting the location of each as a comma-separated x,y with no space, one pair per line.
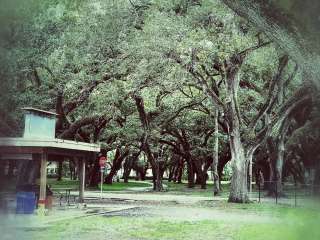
64,183
294,224
286,224
172,188
121,186
236,222
181,188
116,186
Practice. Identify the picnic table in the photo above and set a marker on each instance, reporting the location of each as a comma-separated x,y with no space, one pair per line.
64,192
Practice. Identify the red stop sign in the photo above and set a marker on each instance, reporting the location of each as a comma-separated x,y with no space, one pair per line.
102,161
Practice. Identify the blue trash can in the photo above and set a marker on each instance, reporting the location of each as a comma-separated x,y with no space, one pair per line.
26,202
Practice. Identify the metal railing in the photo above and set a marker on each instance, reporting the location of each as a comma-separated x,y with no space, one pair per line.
289,193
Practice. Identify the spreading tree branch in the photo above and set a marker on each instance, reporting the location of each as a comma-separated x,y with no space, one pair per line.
272,93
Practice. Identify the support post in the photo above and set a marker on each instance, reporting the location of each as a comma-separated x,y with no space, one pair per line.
43,182
82,174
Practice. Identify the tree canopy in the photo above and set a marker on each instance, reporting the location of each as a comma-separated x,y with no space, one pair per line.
153,77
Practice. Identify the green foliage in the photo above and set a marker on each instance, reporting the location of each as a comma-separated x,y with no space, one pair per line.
126,48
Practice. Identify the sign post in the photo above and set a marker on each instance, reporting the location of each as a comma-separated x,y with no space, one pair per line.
102,163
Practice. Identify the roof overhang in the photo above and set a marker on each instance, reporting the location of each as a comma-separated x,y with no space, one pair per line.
39,111
49,143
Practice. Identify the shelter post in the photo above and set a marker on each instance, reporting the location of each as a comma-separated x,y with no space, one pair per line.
82,174
43,181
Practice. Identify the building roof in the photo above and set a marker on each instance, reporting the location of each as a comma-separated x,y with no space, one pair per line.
49,143
39,111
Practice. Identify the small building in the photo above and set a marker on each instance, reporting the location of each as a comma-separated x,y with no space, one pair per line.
39,145
39,124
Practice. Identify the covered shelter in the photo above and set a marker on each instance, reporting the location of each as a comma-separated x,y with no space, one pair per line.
39,145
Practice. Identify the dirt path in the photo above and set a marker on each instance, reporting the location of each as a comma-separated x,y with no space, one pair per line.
162,197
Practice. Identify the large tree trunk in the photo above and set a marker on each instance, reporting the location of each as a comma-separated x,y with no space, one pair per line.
160,164
126,174
145,146
127,167
279,168
160,171
142,172
277,150
172,170
239,182
274,186
201,172
197,167
94,176
215,161
188,157
133,163
179,171
190,174
116,164
157,178
280,155
239,187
